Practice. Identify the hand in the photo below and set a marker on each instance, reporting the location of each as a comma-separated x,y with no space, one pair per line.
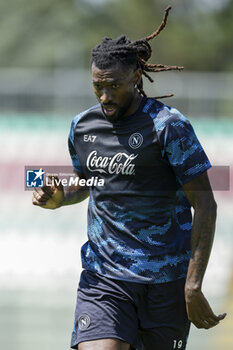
48,197
199,311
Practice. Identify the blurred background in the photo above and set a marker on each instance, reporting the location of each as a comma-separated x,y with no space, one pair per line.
44,81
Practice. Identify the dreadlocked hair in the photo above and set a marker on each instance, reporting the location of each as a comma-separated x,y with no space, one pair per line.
132,54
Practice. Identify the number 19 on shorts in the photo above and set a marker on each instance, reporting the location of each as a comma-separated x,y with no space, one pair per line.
177,344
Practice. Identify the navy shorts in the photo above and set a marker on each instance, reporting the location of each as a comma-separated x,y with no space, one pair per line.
147,316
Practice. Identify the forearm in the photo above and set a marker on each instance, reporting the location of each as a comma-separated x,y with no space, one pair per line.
201,243
74,194
58,196
200,196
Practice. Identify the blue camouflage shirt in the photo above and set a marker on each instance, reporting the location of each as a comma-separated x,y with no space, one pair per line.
139,222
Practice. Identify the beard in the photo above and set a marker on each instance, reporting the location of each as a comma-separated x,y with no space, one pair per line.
113,112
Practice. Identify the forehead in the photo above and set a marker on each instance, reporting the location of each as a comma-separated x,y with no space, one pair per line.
114,73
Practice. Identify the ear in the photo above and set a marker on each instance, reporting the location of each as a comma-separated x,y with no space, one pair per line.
137,76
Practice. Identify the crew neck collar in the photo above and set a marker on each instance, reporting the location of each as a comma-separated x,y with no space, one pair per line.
129,117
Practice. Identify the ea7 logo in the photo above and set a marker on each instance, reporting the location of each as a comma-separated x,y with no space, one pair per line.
89,138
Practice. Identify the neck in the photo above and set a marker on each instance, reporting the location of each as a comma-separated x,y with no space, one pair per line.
135,104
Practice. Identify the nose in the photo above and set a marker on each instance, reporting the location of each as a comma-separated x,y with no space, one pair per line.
106,96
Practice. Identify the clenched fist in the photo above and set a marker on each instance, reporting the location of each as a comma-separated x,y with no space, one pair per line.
48,197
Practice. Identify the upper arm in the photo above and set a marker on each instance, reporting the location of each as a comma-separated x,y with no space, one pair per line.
74,157
181,147
76,193
199,191
77,166
79,174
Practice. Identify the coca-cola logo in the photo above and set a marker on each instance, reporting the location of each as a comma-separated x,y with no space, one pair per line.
120,163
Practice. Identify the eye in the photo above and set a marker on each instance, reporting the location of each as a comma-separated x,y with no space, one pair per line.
115,86
97,86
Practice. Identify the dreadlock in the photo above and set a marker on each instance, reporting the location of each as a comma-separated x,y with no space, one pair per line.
133,54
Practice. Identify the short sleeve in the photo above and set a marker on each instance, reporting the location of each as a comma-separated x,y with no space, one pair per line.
73,154
182,148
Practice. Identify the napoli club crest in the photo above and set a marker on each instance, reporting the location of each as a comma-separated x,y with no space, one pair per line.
84,322
135,140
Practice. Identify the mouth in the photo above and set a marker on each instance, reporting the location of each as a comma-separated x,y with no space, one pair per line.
109,110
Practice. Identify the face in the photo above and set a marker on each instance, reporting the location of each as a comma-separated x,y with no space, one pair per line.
115,89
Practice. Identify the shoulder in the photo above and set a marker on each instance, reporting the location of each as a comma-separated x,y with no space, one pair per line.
165,116
82,116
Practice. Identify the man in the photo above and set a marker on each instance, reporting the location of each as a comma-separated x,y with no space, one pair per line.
145,259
